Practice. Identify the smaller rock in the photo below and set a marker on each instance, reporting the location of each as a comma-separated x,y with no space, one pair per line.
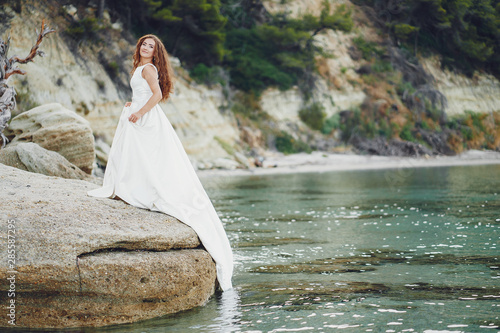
102,150
9,156
33,158
71,10
365,69
253,137
380,146
225,163
58,129
242,159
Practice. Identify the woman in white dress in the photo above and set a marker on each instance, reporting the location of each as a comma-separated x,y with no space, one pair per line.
148,166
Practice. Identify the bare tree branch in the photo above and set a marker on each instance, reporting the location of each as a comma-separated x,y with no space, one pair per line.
9,68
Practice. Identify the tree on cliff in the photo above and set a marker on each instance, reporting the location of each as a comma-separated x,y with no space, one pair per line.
280,52
8,68
192,30
466,33
257,49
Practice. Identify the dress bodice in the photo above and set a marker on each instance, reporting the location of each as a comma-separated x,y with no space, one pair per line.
141,92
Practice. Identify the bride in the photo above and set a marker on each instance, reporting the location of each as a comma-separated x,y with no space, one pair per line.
148,166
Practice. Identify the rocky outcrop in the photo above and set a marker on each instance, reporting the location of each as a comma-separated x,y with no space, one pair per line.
339,86
58,129
480,93
393,147
31,157
93,80
84,261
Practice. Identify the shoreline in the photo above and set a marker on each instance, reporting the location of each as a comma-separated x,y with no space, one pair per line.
320,162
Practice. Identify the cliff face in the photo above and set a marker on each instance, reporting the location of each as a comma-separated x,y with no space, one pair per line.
481,93
77,75
338,87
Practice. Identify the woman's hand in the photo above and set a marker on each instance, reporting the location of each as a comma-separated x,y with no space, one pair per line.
135,116
128,104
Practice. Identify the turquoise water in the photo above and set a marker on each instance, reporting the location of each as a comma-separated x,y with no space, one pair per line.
403,250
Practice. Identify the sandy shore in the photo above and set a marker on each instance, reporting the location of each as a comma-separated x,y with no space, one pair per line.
323,162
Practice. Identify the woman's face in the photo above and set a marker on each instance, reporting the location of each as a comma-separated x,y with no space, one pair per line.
147,49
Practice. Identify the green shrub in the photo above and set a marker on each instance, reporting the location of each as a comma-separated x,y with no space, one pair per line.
350,125
226,146
433,111
86,28
406,133
367,49
208,75
384,129
112,68
369,128
286,144
404,31
313,115
405,86
476,118
425,125
331,123
381,66
467,133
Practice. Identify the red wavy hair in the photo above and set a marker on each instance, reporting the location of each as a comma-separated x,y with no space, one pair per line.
161,62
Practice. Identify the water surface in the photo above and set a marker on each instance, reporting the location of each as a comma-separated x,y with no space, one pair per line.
402,250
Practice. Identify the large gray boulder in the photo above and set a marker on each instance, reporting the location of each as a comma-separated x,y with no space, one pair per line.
29,156
56,128
85,261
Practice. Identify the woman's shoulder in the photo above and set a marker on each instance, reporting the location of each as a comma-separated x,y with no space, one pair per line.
150,65
149,68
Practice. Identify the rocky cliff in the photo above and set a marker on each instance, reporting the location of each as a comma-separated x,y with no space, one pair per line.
78,76
92,79
83,261
339,86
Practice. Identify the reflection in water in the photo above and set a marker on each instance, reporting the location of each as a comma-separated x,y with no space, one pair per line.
229,313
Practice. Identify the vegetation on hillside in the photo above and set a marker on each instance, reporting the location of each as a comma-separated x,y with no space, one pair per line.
257,49
402,104
238,43
466,33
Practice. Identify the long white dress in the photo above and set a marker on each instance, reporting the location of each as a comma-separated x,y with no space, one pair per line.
149,168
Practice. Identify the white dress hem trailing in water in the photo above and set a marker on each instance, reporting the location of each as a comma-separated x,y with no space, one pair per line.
149,168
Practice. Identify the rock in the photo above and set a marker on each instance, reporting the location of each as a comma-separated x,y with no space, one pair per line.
242,159
56,128
479,93
225,163
102,150
364,69
354,53
31,157
380,146
71,10
9,156
84,261
438,141
253,137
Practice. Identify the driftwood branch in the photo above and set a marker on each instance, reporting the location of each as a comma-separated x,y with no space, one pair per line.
8,68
